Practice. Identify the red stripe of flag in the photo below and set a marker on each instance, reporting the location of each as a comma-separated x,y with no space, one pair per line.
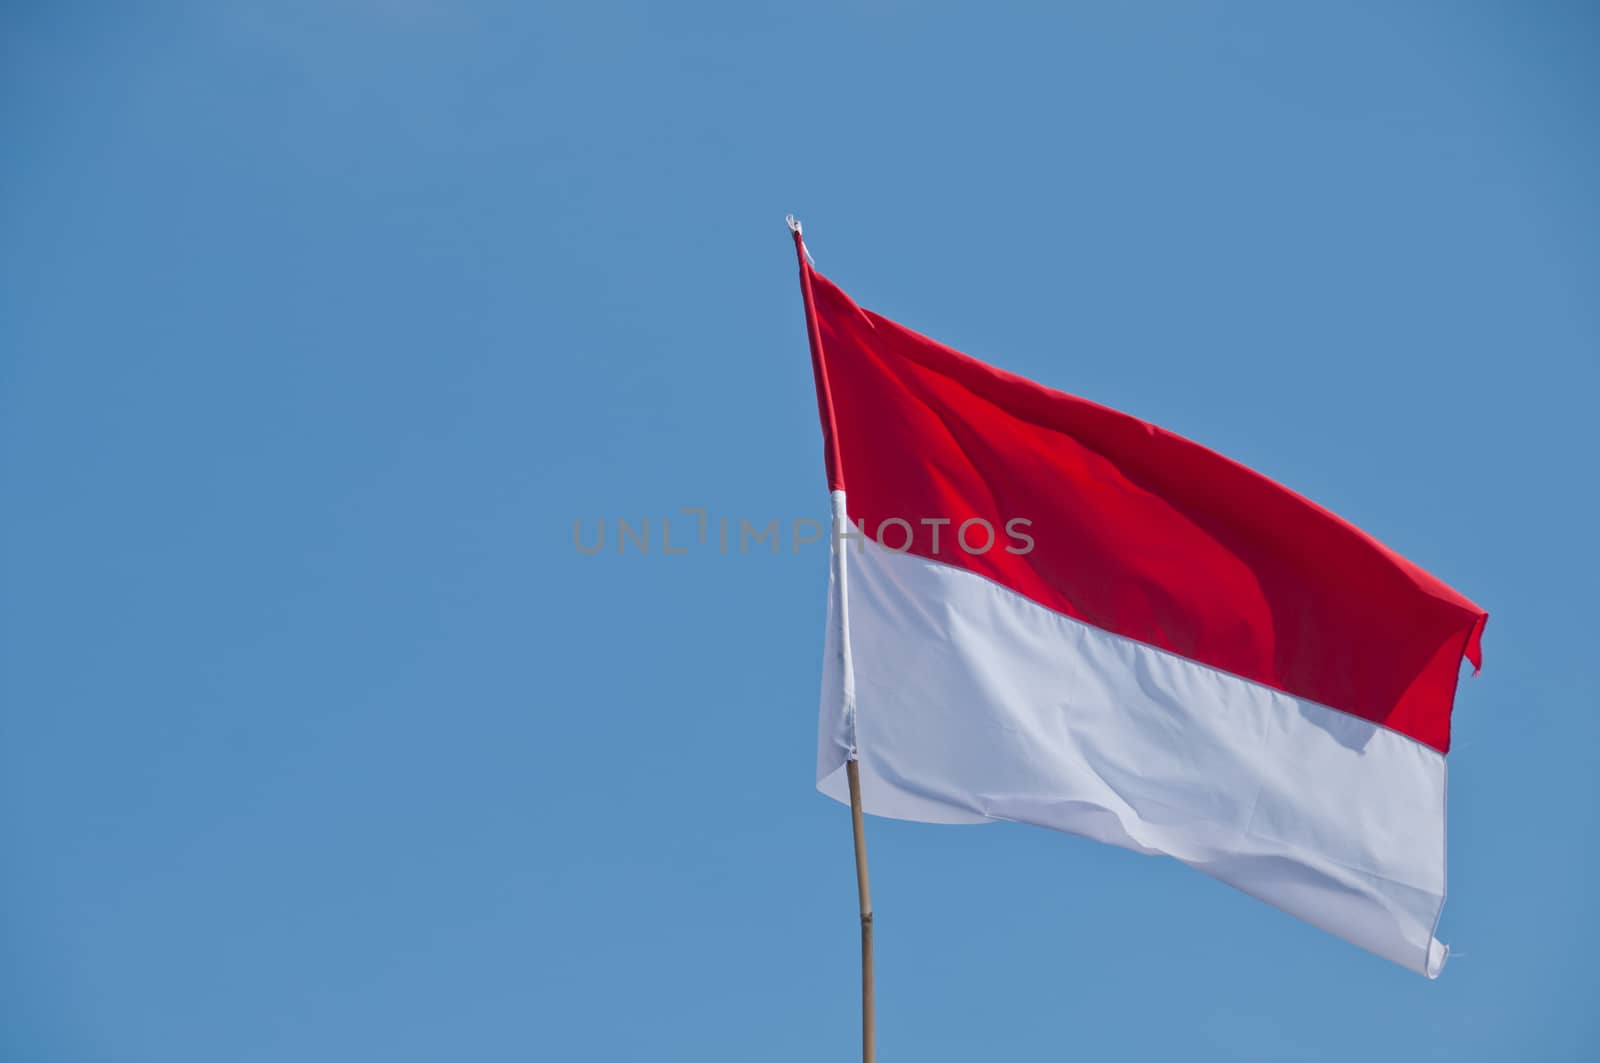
1136,530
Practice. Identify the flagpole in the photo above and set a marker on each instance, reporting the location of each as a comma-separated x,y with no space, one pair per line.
868,1030
830,449
819,369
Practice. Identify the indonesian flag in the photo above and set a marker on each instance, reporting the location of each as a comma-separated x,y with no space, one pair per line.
1045,611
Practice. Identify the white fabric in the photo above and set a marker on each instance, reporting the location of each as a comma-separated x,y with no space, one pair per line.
966,702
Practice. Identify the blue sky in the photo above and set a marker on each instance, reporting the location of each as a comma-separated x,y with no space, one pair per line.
320,324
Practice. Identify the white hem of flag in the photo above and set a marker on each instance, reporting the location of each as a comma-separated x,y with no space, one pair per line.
966,702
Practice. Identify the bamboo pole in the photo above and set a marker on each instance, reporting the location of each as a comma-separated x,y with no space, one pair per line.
830,449
868,1030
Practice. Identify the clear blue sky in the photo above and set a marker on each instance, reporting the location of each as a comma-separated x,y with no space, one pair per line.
320,323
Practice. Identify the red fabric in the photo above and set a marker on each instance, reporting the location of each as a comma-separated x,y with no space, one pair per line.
819,371
1136,530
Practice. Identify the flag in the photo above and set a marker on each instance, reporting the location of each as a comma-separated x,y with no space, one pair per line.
1045,611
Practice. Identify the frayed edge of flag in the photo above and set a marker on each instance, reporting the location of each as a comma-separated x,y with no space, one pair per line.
1474,648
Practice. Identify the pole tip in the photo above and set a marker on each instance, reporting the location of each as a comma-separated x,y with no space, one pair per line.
794,224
